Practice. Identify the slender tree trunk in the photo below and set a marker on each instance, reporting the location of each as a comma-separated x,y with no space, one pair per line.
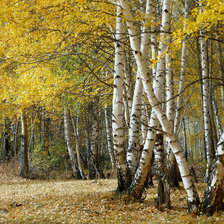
76,135
221,71
16,125
24,172
12,140
134,141
95,171
144,123
182,75
6,145
153,36
138,182
67,129
206,105
172,169
32,126
117,120
94,147
218,121
128,91
173,172
109,138
214,193
185,140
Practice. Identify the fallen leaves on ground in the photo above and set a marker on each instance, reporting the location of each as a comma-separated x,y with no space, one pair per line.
90,201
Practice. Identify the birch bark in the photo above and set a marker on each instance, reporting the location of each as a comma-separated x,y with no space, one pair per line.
123,174
94,167
109,138
134,141
182,75
214,193
193,198
24,172
205,101
75,124
172,170
67,130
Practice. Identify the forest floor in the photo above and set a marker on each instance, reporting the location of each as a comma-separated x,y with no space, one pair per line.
90,201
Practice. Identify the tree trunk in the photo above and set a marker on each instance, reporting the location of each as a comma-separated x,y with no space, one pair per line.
173,171
24,172
6,145
138,183
134,141
123,174
68,139
109,138
76,135
12,140
221,71
206,105
95,170
214,193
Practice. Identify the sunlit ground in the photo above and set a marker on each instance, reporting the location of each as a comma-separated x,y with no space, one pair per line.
91,201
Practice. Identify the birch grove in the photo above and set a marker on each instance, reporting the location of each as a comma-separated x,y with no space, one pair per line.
111,89
193,199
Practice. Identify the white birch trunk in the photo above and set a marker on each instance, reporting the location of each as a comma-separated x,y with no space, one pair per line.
218,121
117,116
137,185
182,76
193,199
109,138
144,123
158,83
94,170
153,37
75,125
206,104
24,172
134,141
172,172
128,90
67,130
169,89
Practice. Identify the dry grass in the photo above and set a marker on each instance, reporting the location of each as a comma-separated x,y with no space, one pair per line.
91,201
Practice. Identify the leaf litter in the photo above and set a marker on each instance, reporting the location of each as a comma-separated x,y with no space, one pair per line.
90,201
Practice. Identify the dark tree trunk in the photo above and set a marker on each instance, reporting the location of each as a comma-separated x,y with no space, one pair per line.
6,145
214,193
94,167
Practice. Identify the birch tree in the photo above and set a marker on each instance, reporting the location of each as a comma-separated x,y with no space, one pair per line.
24,172
109,138
193,199
134,141
67,131
214,193
123,174
206,105
75,124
